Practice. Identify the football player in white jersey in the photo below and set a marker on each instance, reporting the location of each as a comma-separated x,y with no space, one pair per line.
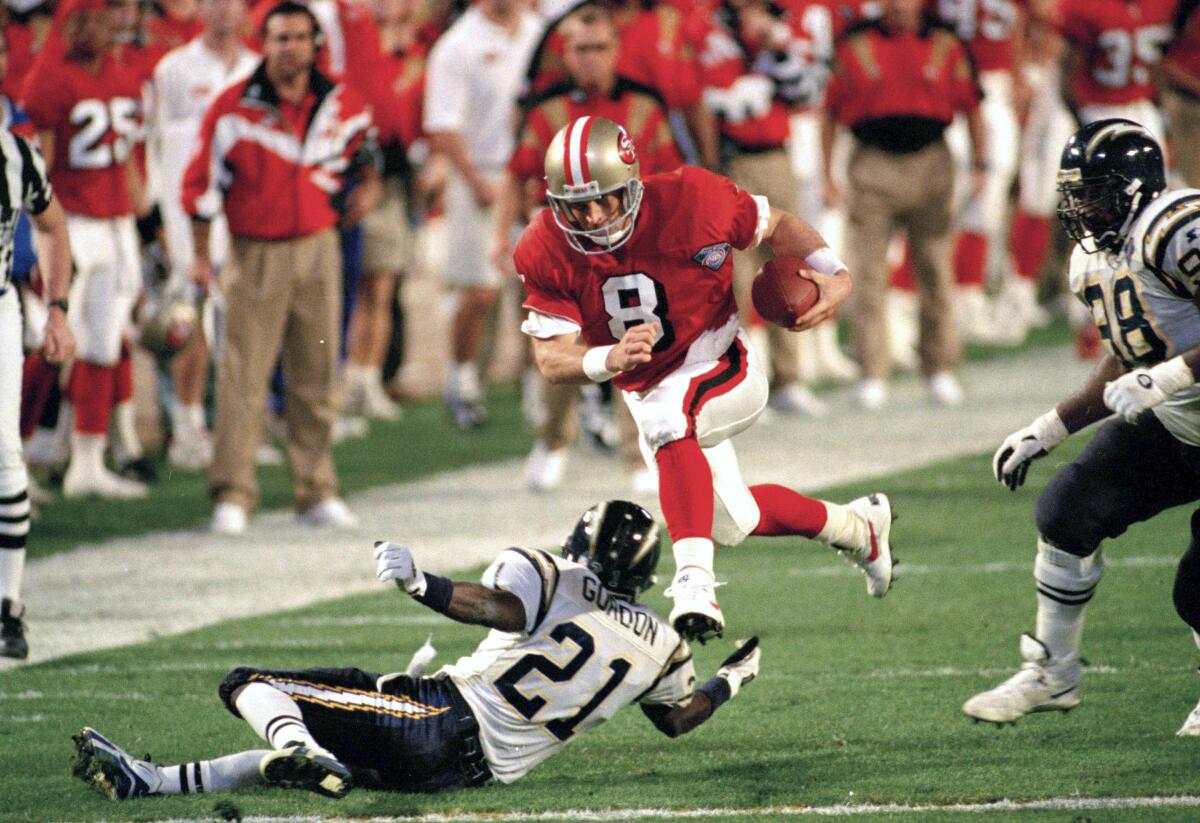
1136,266
569,647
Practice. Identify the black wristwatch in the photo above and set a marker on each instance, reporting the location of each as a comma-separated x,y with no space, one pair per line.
60,303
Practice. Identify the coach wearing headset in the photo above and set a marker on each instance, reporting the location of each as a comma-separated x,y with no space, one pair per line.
274,151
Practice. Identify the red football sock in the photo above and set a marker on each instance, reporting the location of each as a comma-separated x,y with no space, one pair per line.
123,377
37,382
785,512
1030,243
970,256
902,275
91,390
685,489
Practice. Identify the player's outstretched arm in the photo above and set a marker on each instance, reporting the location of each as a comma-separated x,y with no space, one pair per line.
736,671
464,602
563,359
1011,462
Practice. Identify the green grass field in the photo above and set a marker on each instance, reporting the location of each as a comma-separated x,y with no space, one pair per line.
858,701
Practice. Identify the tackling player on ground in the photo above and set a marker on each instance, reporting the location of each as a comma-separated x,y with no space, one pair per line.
1136,266
642,271
569,647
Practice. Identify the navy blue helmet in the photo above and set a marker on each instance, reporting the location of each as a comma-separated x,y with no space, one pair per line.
617,541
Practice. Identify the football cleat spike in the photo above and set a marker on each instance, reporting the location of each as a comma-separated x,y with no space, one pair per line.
696,614
111,770
299,767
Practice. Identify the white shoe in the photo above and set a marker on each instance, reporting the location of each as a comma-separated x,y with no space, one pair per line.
696,614
799,400
1191,726
228,518
1042,685
376,404
80,482
299,767
870,393
268,454
643,482
875,556
190,451
544,468
348,428
945,390
332,512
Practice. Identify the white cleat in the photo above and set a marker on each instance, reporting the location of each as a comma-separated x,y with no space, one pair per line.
945,390
1042,685
798,400
376,405
1191,726
299,767
228,518
191,451
544,468
871,393
696,614
331,513
80,482
875,556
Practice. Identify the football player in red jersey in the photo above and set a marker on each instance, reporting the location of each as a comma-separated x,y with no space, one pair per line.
85,107
642,270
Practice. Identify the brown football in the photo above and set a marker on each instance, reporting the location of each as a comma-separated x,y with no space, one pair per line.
780,294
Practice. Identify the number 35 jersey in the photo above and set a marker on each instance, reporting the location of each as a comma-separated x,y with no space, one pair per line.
1142,298
675,270
584,655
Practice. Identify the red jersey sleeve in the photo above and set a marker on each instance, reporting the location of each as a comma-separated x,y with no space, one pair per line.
545,289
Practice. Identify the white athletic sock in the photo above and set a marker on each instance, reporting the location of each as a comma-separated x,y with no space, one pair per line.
274,716
843,528
694,553
126,446
12,569
195,412
186,418
1065,584
463,381
87,453
221,774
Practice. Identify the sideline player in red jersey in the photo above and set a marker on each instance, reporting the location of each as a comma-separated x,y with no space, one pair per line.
86,108
642,270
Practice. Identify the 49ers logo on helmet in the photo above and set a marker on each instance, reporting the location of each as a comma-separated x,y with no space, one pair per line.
625,149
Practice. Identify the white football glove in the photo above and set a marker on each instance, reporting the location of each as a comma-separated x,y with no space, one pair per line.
1141,389
742,666
1011,462
395,562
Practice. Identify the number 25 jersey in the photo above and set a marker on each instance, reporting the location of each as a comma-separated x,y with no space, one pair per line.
1142,298
675,270
584,655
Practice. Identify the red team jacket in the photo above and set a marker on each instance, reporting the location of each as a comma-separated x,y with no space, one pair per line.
277,167
676,269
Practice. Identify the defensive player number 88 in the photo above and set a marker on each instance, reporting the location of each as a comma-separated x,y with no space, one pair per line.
633,299
563,727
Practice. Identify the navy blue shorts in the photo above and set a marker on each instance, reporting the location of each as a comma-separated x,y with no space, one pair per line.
408,734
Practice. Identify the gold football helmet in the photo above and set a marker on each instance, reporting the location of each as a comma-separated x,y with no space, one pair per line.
589,158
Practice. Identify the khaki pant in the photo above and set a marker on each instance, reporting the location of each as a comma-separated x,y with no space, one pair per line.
770,175
282,296
1184,126
911,192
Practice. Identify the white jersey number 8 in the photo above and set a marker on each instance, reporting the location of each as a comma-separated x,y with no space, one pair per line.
634,299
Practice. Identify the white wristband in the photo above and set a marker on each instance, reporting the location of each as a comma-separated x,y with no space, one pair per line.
595,364
1049,429
825,261
1173,375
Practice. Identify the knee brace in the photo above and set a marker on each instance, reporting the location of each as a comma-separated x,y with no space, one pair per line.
1065,577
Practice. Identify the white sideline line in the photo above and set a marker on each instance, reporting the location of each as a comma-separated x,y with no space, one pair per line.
904,569
1057,804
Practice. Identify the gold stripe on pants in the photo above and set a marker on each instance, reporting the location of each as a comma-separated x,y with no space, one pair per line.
911,192
282,296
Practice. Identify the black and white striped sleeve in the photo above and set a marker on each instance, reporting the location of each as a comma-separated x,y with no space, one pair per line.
25,174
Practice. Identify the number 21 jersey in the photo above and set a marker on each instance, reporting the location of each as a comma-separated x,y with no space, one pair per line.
1142,297
675,270
584,655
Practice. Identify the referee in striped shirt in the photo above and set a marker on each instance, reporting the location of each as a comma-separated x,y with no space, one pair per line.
24,186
